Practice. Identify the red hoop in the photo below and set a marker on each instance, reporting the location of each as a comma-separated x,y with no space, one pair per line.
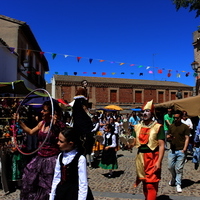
14,123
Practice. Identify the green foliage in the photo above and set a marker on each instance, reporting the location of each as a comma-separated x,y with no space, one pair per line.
194,5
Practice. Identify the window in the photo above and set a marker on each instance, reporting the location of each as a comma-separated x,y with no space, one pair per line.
173,95
160,96
138,96
113,95
185,95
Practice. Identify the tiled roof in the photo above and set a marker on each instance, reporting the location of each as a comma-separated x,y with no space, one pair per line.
118,81
12,20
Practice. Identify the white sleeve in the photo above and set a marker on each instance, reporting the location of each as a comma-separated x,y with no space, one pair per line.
95,128
190,124
114,144
56,179
83,182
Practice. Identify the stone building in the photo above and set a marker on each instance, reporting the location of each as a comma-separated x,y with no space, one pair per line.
17,36
196,63
127,93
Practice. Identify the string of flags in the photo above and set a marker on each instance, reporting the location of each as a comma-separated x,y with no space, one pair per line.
178,75
90,60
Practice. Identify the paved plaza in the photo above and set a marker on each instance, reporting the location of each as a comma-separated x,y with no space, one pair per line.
121,187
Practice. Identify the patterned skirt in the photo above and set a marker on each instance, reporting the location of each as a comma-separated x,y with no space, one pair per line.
37,178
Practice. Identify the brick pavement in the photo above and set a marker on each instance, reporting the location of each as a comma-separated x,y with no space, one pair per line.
121,187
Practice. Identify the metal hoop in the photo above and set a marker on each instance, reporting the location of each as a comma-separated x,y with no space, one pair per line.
47,135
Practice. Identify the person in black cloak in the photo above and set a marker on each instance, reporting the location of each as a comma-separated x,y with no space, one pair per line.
82,122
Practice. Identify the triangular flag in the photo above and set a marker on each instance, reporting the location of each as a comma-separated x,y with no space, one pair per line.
28,52
132,65
122,73
121,63
37,72
187,74
103,73
112,62
78,58
132,73
160,71
75,73
140,66
90,60
84,72
66,73
101,60
41,54
46,72
28,72
141,74
169,74
178,75
54,55
150,72
66,56
113,73
12,49
195,74
56,72
94,73
148,67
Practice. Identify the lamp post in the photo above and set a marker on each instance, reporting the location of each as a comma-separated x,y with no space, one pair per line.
195,66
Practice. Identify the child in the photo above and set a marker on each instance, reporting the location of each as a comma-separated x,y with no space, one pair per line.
109,159
70,176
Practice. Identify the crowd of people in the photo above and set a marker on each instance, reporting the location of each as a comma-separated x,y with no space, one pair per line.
59,170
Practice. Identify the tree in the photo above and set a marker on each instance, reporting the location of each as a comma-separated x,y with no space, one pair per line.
194,5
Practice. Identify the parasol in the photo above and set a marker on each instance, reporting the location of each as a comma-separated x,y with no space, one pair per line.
113,107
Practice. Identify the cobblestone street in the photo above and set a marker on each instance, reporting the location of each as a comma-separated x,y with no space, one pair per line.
121,187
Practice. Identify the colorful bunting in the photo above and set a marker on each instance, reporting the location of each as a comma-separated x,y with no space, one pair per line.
28,52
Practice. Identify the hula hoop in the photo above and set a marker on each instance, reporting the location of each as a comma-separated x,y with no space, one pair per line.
48,133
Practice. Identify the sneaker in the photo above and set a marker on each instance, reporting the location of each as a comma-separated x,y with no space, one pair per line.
178,188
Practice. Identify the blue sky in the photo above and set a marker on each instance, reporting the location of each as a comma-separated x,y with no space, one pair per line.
152,35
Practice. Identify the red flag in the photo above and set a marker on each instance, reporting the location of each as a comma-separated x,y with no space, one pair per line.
160,71
94,73
78,58
41,54
103,73
84,72
38,73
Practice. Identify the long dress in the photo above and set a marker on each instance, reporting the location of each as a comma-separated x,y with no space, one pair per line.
38,174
